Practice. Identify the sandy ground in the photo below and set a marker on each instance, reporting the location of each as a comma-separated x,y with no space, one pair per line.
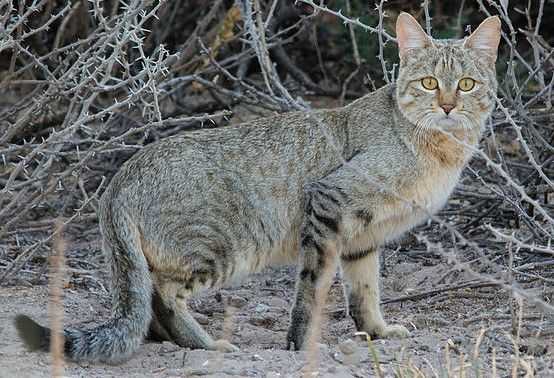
255,315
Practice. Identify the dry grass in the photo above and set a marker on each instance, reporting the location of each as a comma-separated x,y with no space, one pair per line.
55,304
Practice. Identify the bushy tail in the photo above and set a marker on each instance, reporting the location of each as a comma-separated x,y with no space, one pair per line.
118,338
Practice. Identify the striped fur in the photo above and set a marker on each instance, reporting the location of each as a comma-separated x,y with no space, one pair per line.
203,209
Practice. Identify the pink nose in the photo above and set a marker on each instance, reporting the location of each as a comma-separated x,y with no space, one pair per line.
447,108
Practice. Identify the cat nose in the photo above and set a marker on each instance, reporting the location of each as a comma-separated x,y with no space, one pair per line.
447,108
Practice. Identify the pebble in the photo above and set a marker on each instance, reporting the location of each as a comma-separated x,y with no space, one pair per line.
237,302
277,302
261,307
348,347
257,357
350,351
262,321
168,347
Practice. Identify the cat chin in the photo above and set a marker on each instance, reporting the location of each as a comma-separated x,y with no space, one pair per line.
448,124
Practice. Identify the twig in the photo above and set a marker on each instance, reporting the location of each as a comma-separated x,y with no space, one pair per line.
430,293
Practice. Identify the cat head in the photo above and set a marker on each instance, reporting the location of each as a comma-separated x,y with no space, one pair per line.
446,84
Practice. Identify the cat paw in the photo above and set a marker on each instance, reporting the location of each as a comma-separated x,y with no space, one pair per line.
295,338
224,346
298,328
392,331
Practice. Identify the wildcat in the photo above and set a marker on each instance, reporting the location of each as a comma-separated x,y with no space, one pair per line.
197,210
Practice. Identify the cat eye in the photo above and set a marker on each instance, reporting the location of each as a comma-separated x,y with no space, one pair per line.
429,83
466,84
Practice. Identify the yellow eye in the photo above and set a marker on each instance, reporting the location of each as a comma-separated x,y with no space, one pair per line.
466,84
429,83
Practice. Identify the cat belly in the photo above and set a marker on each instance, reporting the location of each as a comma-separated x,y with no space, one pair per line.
254,260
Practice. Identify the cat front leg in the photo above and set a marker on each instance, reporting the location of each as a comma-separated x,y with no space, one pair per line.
361,275
318,259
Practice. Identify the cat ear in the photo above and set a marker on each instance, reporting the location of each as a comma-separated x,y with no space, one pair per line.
409,34
486,37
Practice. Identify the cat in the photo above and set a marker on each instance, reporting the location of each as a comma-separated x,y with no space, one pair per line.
320,189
